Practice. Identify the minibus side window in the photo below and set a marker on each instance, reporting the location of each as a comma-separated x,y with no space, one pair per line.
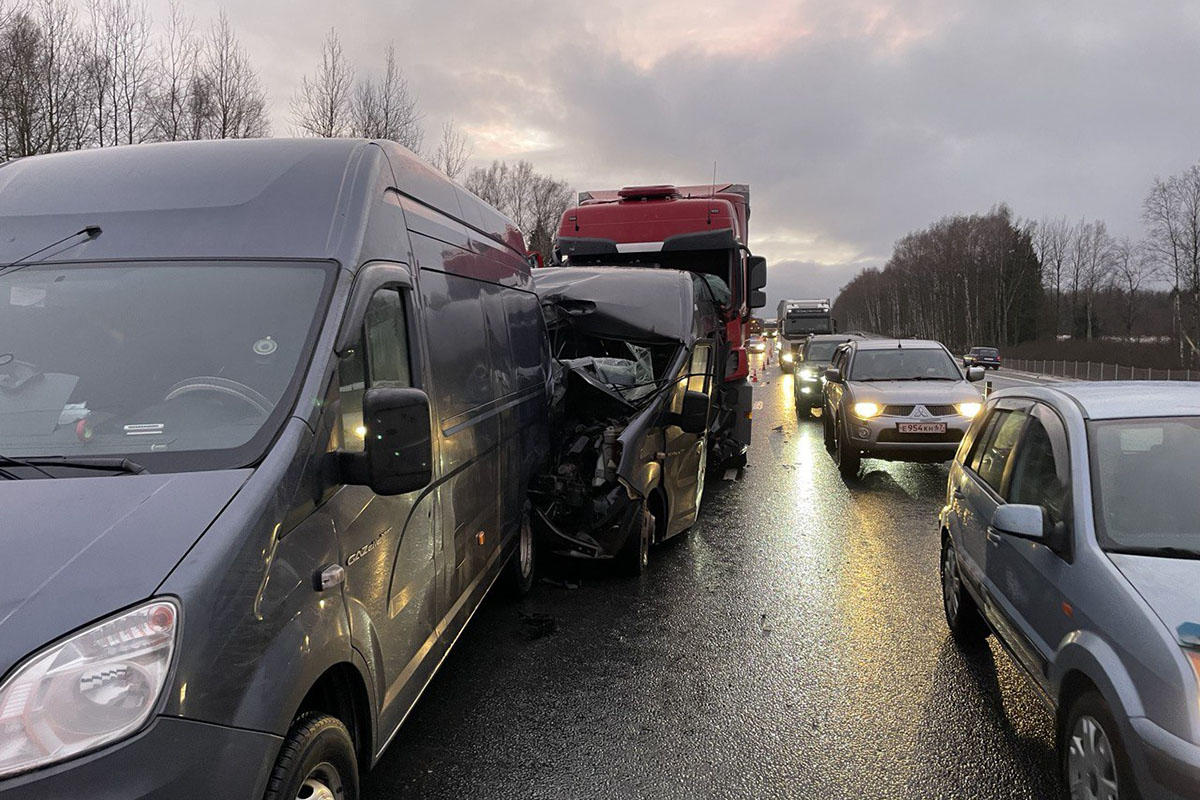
380,359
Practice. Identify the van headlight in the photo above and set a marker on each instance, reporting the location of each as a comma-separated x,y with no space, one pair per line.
867,410
88,690
968,410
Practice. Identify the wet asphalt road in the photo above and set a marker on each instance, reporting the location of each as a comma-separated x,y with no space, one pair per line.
792,645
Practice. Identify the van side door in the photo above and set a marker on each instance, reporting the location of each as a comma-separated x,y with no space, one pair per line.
389,549
687,452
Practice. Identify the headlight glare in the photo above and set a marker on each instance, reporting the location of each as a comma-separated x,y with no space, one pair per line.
86,691
867,410
789,357
969,409
808,373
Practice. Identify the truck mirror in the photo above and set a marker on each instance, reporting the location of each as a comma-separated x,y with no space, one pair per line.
758,298
756,272
398,445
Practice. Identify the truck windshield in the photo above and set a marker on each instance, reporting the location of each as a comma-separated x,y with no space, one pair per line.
176,366
814,322
1144,482
899,364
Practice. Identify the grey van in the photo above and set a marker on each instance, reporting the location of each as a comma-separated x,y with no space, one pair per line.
1072,530
635,351
268,414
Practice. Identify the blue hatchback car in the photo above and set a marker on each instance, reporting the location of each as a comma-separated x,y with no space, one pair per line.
1072,530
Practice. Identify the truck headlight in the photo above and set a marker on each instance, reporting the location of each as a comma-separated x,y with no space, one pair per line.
88,690
867,410
968,410
808,373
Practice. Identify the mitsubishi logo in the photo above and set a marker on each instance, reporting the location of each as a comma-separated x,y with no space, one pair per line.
921,411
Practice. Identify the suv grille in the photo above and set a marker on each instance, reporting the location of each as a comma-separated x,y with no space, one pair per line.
951,436
898,411
941,411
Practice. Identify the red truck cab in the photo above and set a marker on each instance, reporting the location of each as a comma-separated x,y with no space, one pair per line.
700,229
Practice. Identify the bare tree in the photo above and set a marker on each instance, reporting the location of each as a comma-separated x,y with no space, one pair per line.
1051,240
226,98
453,151
126,32
178,56
1171,212
1133,266
322,105
386,108
535,202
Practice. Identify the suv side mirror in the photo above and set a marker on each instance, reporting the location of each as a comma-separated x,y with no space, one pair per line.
398,445
694,417
833,375
756,279
975,374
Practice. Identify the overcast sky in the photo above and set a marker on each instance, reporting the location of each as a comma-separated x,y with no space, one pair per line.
853,121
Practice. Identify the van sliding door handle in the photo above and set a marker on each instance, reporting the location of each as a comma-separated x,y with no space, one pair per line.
958,494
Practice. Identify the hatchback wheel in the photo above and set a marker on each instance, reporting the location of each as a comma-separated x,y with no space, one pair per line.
316,762
1095,765
962,615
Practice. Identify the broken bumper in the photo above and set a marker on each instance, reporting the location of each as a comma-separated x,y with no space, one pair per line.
602,540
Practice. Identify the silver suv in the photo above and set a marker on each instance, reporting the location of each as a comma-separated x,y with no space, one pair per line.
896,399
1072,528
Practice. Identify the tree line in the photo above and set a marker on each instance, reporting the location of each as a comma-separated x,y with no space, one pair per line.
100,73
994,279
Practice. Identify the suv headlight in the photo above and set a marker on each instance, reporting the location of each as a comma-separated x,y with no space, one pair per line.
968,410
867,410
89,690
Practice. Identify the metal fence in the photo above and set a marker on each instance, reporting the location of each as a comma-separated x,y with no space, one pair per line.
1095,371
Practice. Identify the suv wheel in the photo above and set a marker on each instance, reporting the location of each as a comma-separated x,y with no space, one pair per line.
962,615
848,460
316,761
827,427
1095,765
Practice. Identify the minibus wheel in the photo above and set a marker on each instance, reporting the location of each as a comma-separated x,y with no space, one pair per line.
316,762
521,569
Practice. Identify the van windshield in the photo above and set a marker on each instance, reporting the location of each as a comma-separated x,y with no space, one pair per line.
177,366
1145,484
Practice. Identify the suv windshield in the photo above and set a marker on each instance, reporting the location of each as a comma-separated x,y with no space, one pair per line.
174,365
1144,482
904,364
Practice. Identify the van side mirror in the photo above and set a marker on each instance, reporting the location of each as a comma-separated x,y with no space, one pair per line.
833,375
397,452
694,417
975,374
756,279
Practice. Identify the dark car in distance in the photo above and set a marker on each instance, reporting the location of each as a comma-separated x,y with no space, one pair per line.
986,357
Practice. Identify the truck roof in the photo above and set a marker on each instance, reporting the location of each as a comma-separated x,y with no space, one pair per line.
653,218
250,198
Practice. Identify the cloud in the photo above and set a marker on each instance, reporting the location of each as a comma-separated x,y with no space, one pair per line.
854,122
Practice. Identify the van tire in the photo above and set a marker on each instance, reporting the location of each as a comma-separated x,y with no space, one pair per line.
520,572
317,748
634,557
1090,705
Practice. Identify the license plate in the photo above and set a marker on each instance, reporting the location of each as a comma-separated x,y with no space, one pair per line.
921,427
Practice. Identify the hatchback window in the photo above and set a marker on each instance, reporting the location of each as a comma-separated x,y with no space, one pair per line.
997,448
1040,474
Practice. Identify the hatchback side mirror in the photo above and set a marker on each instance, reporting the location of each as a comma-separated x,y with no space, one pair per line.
833,375
398,444
694,417
1022,521
975,374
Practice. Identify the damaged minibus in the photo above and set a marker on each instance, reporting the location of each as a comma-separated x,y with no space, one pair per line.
633,355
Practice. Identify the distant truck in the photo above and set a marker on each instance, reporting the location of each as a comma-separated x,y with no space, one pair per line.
700,229
799,319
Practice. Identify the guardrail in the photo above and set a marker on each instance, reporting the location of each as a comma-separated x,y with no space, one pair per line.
1096,371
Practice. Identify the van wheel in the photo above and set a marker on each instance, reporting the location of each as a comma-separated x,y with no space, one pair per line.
848,461
634,557
1094,761
521,570
316,762
962,615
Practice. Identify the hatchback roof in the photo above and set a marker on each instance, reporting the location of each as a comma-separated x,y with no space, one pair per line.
1123,399
898,344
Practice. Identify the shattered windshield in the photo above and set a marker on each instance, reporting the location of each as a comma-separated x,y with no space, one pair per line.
176,366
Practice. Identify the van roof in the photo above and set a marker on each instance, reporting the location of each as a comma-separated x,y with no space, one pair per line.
265,198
